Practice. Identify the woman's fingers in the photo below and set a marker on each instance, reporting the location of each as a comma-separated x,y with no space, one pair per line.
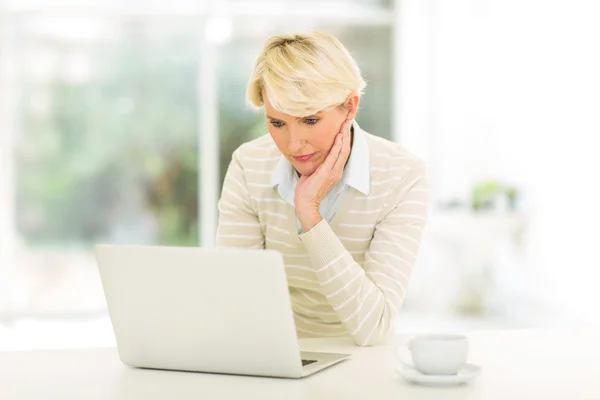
333,166
334,154
345,149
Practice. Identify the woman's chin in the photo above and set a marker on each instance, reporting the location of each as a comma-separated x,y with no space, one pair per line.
306,169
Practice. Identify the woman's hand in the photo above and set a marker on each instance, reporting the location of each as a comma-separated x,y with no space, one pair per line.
311,190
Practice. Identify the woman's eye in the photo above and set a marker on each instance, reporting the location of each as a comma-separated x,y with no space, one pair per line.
311,121
277,124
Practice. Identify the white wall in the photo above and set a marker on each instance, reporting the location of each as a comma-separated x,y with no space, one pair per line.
7,203
511,89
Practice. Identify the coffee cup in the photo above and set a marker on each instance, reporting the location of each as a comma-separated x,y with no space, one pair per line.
437,354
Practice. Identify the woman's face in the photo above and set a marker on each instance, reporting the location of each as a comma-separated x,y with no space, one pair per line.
305,142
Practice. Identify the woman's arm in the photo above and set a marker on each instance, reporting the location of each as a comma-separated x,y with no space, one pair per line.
238,221
368,298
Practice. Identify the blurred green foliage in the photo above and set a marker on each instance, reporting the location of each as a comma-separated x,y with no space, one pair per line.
128,133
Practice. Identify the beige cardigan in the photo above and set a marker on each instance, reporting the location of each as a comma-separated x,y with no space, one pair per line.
346,277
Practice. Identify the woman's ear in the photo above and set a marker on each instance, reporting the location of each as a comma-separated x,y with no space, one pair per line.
352,105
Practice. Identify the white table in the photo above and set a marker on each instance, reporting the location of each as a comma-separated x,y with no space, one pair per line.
516,365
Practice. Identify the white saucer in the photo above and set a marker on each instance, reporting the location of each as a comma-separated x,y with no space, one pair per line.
467,373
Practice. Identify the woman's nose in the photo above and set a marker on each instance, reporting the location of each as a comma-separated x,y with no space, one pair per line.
296,142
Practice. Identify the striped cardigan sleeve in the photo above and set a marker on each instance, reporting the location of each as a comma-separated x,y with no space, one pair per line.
238,221
367,298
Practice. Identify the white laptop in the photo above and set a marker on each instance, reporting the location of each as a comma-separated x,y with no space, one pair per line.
205,310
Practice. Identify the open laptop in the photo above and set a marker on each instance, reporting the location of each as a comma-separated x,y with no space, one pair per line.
205,310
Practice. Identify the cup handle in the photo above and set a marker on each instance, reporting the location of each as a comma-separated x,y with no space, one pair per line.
400,347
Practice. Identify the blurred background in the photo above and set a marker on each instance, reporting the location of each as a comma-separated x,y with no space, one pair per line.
118,120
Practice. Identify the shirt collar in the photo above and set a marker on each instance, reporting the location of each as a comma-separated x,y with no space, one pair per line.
356,173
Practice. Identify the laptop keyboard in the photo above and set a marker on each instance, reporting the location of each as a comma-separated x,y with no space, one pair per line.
308,362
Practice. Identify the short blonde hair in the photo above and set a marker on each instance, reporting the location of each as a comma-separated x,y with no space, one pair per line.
304,74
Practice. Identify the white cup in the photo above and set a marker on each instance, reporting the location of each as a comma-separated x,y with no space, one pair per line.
437,354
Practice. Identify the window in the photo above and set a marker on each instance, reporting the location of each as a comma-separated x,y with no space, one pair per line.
106,148
106,110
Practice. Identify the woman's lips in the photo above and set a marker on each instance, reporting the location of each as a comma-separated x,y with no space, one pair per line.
304,158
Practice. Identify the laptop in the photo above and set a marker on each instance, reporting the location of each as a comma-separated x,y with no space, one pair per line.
204,310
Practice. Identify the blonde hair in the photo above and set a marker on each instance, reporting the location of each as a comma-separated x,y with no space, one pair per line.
304,74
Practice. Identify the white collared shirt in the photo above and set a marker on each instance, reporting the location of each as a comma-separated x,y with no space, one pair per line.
356,175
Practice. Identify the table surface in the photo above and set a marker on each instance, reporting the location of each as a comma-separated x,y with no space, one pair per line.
524,364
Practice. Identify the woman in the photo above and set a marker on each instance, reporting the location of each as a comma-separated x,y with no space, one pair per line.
345,208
